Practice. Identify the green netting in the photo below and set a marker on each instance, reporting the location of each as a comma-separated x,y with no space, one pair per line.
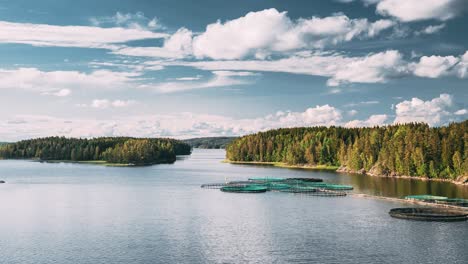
305,179
425,197
245,189
338,187
300,189
278,186
429,214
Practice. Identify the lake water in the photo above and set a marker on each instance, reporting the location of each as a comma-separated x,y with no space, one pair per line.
71,213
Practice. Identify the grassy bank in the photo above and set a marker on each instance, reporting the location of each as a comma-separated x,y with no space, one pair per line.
283,165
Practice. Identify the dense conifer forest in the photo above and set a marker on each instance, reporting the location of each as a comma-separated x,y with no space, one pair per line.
210,142
123,150
410,149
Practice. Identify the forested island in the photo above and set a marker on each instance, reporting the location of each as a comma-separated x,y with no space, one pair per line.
397,150
106,150
209,142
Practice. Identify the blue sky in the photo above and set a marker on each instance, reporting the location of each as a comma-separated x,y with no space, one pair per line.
212,68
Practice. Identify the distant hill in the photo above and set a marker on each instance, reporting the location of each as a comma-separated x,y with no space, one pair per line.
210,142
3,143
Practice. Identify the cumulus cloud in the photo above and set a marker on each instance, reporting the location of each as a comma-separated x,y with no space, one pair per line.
433,112
407,11
262,32
438,66
71,36
178,45
374,68
180,125
438,111
373,120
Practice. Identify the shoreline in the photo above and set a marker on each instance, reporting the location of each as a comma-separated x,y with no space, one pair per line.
97,162
283,165
462,180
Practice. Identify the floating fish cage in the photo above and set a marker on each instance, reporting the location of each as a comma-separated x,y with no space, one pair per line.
300,189
453,202
425,198
213,185
305,179
289,185
245,189
429,214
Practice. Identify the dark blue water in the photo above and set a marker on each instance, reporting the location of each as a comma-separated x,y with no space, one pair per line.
70,213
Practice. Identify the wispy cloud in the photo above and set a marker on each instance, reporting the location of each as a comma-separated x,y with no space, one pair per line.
71,36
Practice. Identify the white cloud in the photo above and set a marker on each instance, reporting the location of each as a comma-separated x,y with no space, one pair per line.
106,103
60,83
71,36
59,93
183,125
220,79
178,125
362,103
432,29
352,112
434,66
462,67
408,11
137,20
178,45
373,120
262,32
434,112
340,69
376,68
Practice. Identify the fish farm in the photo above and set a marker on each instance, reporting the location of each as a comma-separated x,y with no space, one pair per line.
310,186
438,200
429,214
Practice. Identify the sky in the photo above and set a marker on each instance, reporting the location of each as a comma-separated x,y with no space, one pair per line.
187,68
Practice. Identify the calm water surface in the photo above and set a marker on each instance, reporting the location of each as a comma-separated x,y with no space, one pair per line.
70,213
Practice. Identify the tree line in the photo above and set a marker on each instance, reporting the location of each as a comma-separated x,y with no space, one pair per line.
125,150
413,149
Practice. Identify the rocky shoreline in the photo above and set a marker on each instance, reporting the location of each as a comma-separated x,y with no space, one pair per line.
461,180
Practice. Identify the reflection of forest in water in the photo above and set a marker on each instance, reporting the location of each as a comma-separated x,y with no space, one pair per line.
399,187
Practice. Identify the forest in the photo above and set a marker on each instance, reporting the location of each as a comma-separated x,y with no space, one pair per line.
121,150
413,149
209,142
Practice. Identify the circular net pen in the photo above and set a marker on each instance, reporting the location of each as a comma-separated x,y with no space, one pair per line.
453,202
425,198
245,189
213,185
429,214
305,179
300,189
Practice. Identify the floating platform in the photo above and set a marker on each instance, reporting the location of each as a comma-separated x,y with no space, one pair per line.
429,214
